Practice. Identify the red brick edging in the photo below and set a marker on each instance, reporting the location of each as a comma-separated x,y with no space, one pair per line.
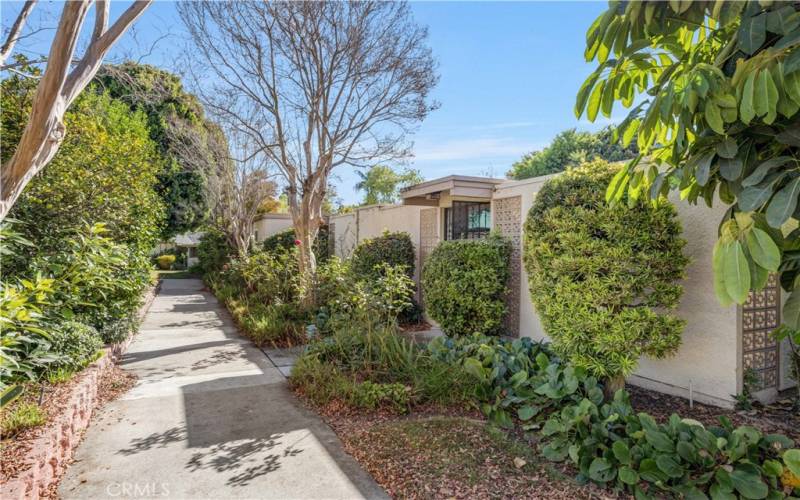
52,450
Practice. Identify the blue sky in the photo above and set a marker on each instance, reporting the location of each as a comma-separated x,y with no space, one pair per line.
509,74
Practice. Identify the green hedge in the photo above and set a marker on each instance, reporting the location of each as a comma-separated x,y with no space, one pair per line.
395,249
604,280
464,285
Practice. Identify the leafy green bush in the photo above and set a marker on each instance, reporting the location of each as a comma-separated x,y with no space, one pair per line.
25,347
267,277
373,395
610,444
273,325
117,330
394,249
76,344
603,280
213,252
96,280
464,285
165,261
345,298
106,171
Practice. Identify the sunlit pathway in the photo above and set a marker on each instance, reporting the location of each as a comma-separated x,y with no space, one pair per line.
210,417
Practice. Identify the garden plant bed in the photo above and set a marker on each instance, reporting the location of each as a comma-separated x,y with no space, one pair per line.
437,452
776,418
34,458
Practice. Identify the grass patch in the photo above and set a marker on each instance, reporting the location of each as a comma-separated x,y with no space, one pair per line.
59,376
20,417
444,457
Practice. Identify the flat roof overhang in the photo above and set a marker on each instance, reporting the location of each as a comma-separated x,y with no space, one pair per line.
457,186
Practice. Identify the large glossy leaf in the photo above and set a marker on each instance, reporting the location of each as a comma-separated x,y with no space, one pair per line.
783,20
763,249
746,109
719,275
752,33
730,168
783,203
727,148
792,460
753,197
762,170
703,168
736,272
791,318
714,118
749,484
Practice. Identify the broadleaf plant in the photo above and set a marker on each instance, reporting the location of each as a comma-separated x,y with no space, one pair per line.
713,89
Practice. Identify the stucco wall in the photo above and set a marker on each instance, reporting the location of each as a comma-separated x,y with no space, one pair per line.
709,357
270,224
345,234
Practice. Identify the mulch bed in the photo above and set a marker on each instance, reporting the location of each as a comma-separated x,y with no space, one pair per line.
778,418
429,466
15,448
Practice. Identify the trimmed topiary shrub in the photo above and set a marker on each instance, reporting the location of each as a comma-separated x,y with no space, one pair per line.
604,279
395,249
464,285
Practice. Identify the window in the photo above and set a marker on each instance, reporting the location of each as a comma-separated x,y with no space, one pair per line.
467,220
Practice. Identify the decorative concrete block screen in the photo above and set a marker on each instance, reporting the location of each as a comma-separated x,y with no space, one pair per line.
760,316
508,221
428,234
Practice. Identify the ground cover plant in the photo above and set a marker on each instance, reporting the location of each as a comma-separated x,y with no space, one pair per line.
464,285
604,280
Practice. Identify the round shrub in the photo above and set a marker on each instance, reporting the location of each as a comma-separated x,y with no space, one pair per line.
395,249
464,285
75,343
603,279
165,261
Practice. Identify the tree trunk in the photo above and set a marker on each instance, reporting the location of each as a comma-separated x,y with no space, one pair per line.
612,385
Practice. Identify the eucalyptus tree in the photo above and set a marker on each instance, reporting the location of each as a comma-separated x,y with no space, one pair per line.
65,76
317,85
717,116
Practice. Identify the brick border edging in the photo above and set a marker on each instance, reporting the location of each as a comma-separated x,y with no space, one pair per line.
51,451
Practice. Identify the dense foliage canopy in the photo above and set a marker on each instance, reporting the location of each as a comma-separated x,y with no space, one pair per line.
603,279
382,184
719,115
571,147
106,171
184,137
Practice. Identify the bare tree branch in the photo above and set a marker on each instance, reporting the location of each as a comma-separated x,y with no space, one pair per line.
16,31
316,85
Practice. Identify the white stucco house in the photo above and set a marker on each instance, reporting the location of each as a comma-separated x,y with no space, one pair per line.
719,343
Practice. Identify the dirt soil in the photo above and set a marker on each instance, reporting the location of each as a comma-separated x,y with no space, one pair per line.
437,452
779,418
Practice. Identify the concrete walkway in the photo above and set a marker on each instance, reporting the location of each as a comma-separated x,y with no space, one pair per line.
210,417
